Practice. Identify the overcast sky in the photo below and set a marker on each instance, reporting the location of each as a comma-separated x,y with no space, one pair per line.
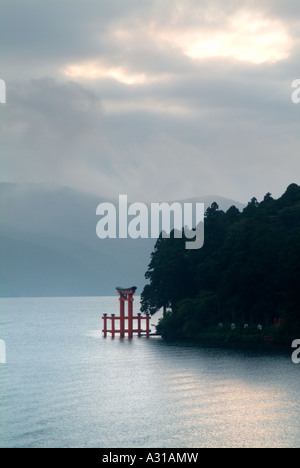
156,99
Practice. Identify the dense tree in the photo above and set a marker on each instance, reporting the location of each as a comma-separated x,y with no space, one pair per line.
248,271
167,273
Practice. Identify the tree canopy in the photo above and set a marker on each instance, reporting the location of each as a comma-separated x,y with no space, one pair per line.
247,272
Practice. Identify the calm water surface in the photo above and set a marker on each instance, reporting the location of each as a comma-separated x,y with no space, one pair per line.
64,385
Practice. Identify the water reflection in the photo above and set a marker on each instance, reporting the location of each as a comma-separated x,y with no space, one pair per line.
67,386
229,398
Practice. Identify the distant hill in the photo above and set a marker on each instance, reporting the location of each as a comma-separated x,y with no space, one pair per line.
49,247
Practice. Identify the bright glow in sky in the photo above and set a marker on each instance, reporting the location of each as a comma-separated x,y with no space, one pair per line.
245,37
93,70
159,99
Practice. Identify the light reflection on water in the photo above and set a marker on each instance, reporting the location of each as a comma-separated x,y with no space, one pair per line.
64,385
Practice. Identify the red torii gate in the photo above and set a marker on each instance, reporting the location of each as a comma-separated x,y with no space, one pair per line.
126,294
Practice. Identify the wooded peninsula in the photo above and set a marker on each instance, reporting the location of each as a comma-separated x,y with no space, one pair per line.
242,285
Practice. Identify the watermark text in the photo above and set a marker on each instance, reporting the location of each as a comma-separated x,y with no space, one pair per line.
2,352
2,92
137,220
296,353
296,92
142,456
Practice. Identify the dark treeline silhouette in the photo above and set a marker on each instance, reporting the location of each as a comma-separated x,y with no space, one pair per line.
243,284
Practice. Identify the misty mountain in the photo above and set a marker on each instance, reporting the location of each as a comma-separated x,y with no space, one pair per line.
49,247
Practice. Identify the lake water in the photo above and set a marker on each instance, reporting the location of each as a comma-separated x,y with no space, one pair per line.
64,385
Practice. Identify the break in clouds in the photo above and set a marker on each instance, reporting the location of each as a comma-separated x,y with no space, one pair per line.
161,100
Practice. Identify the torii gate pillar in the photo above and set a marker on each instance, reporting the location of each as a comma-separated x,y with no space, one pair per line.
126,294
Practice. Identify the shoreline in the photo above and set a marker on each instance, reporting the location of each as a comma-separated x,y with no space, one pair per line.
260,347
231,340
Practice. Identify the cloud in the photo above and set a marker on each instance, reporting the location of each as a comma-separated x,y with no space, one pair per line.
157,99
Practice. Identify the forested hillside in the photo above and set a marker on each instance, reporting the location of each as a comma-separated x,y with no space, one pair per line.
243,284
